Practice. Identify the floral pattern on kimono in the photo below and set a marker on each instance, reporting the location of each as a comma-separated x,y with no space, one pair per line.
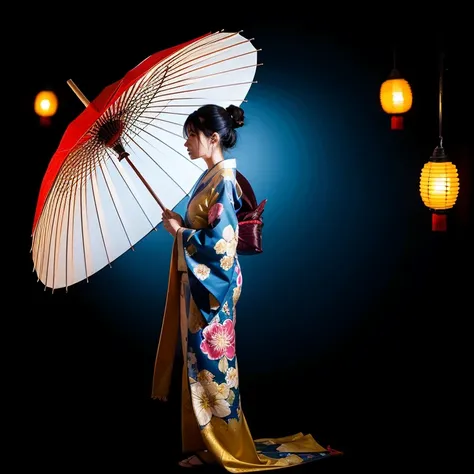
215,280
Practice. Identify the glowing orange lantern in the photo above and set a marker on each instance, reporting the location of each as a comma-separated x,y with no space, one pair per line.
439,187
396,98
46,105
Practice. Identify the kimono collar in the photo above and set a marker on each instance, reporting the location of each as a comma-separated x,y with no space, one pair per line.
229,163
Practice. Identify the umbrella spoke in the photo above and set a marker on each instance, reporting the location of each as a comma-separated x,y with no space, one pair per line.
186,74
133,193
154,161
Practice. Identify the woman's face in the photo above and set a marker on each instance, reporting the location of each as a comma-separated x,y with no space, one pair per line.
198,145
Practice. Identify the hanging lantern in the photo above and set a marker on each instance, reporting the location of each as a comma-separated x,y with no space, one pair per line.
439,187
46,105
396,98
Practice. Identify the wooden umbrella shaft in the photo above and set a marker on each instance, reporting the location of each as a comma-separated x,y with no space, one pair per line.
86,102
157,199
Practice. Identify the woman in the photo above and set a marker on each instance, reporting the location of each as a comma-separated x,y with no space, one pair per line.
205,283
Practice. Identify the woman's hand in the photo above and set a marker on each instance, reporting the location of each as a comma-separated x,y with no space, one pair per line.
172,221
173,215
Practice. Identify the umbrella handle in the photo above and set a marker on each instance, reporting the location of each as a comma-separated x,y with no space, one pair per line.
86,102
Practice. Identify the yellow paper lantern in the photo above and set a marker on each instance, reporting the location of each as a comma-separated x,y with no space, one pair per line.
439,187
46,105
396,98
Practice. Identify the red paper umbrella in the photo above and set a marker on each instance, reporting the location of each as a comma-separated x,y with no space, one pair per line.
99,195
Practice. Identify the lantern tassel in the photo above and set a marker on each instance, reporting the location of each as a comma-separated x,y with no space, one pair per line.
397,122
45,121
439,222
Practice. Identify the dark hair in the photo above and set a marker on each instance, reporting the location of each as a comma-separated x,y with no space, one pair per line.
212,118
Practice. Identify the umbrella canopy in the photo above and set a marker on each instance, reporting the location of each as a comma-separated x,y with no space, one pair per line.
122,160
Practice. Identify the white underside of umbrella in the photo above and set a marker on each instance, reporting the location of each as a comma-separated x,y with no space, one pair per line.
98,207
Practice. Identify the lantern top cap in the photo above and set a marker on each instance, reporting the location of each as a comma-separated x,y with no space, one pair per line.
439,155
394,74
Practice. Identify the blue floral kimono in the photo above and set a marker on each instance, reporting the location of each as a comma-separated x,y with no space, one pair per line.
205,284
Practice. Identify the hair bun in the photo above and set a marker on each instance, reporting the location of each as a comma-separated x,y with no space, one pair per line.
236,115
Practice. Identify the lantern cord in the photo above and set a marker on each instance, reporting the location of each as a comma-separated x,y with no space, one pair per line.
441,68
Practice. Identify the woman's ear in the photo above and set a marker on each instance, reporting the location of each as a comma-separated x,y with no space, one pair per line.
215,138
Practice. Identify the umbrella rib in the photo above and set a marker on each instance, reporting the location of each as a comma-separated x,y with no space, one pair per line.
158,107
41,238
71,199
90,150
196,63
85,171
160,167
132,193
143,130
83,198
77,184
136,117
57,240
139,120
165,91
175,81
161,120
53,212
54,231
74,201
94,191
178,77
219,86
189,54
70,225
49,217
184,54
115,205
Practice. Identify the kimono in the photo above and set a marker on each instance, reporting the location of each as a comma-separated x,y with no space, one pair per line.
205,284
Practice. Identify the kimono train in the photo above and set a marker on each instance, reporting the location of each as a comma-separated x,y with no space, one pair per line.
205,283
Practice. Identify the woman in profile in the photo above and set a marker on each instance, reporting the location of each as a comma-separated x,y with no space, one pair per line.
205,284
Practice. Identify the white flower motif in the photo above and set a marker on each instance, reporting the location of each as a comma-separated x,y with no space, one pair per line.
232,377
236,295
223,365
208,401
205,376
231,398
221,246
223,389
202,271
227,262
228,233
232,248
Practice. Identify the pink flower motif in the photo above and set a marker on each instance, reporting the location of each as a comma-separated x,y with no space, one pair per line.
239,275
214,212
219,340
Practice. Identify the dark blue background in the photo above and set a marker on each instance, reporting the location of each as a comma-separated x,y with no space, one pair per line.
352,323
